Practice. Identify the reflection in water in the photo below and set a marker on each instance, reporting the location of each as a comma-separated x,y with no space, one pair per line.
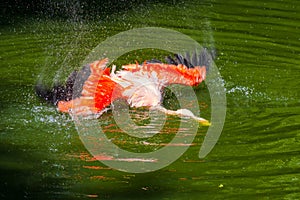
256,156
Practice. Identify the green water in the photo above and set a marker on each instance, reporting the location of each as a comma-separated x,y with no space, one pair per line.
257,155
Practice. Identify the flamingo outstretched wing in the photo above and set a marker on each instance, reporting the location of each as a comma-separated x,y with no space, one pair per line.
170,73
98,92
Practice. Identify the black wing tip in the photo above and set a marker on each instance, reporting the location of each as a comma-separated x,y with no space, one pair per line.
53,95
153,61
64,92
191,60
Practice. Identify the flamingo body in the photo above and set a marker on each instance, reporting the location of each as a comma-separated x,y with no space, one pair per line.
141,85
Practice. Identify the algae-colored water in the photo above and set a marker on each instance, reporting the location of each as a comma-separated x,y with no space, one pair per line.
257,156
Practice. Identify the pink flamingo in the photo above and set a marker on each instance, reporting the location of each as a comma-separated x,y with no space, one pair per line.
141,85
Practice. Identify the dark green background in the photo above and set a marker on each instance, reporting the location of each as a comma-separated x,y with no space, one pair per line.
258,48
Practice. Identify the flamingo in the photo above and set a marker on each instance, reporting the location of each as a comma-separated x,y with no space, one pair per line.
141,85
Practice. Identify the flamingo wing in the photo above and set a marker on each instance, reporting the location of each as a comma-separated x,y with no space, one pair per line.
98,91
171,73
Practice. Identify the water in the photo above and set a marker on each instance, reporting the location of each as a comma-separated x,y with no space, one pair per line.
257,155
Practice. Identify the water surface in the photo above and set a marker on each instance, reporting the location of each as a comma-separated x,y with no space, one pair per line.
257,156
